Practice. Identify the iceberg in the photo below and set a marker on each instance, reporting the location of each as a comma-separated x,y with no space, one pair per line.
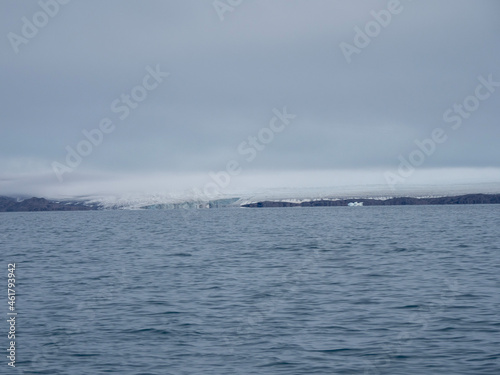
355,204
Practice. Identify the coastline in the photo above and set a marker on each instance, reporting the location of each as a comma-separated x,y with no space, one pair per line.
8,204
399,201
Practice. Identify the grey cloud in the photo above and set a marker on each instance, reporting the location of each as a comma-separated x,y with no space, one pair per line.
226,78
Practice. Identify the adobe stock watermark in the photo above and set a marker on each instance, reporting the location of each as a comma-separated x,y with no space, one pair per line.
122,107
249,149
31,26
455,116
372,29
224,6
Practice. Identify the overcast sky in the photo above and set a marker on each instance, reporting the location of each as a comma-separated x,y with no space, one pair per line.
230,70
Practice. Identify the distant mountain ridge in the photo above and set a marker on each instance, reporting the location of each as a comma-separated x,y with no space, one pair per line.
400,201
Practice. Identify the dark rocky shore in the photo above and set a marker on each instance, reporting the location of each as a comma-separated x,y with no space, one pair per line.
401,201
40,204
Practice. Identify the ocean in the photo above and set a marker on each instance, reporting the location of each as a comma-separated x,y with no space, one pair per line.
326,290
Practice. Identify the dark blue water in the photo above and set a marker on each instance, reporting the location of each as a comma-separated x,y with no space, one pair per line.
330,290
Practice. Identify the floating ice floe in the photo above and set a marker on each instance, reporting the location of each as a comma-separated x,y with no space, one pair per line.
355,204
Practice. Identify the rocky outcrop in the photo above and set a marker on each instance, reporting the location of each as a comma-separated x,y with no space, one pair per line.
40,204
400,201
